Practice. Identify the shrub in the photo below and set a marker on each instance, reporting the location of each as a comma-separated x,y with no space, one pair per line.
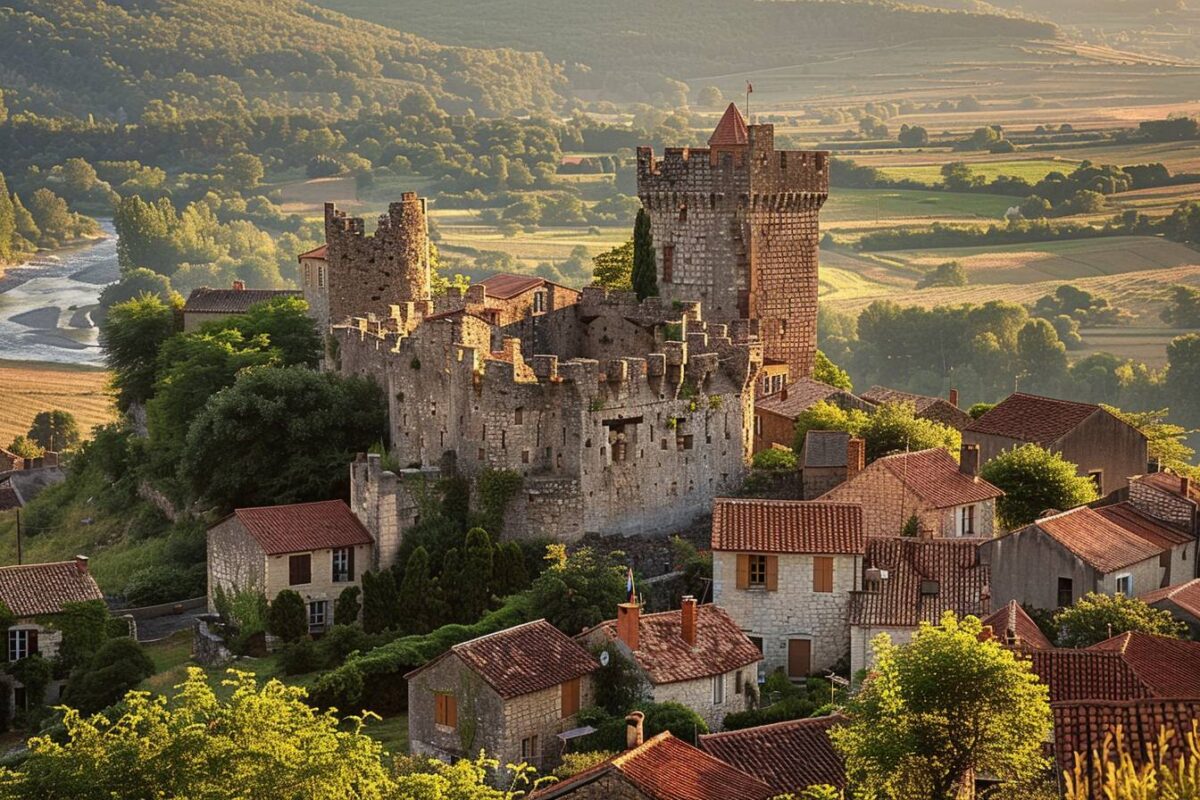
345,608
162,583
300,657
34,672
287,616
118,666
776,459
339,642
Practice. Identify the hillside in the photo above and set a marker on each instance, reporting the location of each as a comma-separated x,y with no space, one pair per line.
645,42
113,59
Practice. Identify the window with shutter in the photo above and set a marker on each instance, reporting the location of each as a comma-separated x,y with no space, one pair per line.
570,697
445,710
300,569
822,573
743,571
772,573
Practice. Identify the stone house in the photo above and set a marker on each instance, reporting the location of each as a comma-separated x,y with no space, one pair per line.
697,656
10,461
829,459
785,571
909,581
790,756
660,768
1013,626
1102,446
208,305
1182,600
316,549
34,593
510,694
314,277
935,409
775,415
949,499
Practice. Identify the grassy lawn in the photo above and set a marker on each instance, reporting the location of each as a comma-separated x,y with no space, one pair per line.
1032,170
853,205
391,732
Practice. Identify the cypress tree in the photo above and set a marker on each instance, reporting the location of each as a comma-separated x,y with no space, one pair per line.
418,595
645,277
380,601
475,580
510,574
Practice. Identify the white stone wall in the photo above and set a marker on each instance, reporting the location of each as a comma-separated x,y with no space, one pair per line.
698,696
1147,575
322,586
861,655
235,561
794,611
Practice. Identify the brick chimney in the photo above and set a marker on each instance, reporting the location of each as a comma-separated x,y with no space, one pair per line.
856,456
633,729
628,619
81,564
954,397
687,613
239,286
968,459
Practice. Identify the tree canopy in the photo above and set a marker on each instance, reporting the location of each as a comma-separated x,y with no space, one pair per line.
1096,617
1034,481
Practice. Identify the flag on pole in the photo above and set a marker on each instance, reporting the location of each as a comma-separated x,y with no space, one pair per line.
629,584
749,87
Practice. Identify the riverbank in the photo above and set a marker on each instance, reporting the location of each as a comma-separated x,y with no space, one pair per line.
13,274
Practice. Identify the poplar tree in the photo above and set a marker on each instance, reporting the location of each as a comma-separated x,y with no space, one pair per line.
644,278
418,595
475,580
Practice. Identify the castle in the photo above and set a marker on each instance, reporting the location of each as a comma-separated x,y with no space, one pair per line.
616,416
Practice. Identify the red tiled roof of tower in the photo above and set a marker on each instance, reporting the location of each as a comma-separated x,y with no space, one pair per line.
1186,596
787,526
231,301
1087,675
1170,482
1032,418
504,286
1146,527
790,756
33,589
1097,539
316,252
1166,667
666,768
935,477
1012,623
731,131
925,579
665,657
799,396
525,658
300,527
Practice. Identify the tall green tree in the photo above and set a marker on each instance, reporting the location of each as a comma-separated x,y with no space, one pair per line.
828,372
1183,376
941,709
8,224
643,273
131,335
27,230
475,582
579,590
287,617
418,603
285,324
613,269
55,430
895,428
1034,481
381,601
1096,617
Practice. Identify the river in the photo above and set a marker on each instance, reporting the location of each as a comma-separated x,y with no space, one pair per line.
46,304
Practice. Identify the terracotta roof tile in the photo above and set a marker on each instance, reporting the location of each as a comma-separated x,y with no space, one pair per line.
1185,596
32,589
825,448
731,131
504,286
526,658
1013,626
665,657
316,252
933,475
666,768
804,393
231,301
1166,667
1144,526
790,756
1086,675
1031,418
938,409
1170,482
787,526
1097,539
925,579
301,527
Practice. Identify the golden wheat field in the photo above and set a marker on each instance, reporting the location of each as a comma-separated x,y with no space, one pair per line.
27,388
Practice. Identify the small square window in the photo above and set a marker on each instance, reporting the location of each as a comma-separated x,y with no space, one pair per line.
1125,585
317,612
758,571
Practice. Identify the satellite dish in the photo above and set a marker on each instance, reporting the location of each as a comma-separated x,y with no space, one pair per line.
604,658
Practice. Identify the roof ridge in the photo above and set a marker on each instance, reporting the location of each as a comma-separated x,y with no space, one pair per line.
620,759
455,647
294,505
799,722
70,562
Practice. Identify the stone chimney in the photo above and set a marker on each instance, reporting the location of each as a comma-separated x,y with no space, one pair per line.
954,397
628,620
239,286
968,459
81,564
1185,486
856,456
687,613
633,730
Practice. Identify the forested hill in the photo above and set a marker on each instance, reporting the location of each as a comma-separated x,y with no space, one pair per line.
115,59
623,40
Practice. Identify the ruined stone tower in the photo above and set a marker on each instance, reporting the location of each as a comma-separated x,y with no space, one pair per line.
736,228
368,274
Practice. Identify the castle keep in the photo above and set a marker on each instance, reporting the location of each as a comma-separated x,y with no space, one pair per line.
736,229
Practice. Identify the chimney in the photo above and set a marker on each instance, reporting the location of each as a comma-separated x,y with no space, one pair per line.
968,459
856,456
633,730
783,393
239,286
1185,486
628,617
954,397
81,564
688,620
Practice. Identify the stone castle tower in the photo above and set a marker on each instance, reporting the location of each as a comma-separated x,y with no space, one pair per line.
736,228
368,274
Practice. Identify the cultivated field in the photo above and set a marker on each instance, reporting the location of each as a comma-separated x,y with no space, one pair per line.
33,387
1031,169
879,206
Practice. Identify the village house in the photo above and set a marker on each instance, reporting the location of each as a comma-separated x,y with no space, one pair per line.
934,409
785,571
696,656
660,768
910,581
790,756
775,414
829,459
1013,626
1182,600
315,549
948,499
34,593
27,478
511,694
1103,447
208,305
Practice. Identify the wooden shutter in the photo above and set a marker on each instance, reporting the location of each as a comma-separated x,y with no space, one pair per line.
822,573
743,571
570,697
452,711
445,710
300,569
350,563
772,573
33,643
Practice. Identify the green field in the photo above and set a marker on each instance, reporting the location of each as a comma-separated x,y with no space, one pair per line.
879,205
1032,170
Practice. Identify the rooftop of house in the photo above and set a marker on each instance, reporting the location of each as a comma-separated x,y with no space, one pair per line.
522,659
1032,418
1132,519
666,768
1185,596
231,301
33,589
1166,667
731,131
790,756
925,579
825,449
316,252
883,394
798,396
504,286
666,657
1129,666
1104,540
787,526
1013,626
1175,484
934,476
301,527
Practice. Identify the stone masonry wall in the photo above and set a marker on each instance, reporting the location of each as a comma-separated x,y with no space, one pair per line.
1162,505
886,503
235,560
861,636
698,695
